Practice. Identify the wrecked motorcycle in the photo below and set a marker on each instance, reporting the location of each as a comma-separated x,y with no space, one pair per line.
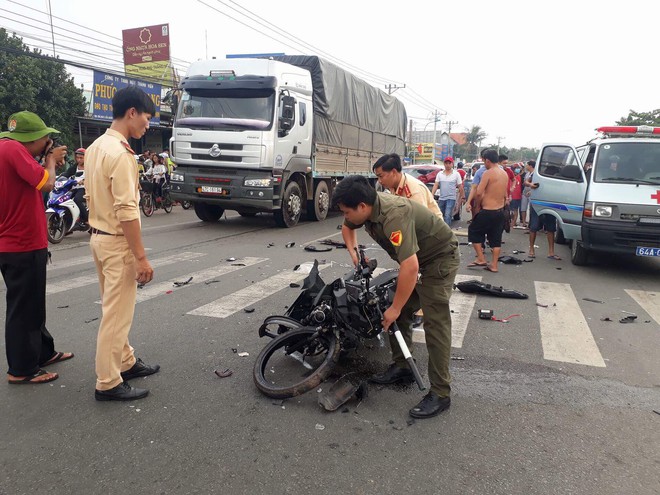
325,321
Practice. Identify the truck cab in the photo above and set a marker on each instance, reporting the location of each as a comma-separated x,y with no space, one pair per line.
604,194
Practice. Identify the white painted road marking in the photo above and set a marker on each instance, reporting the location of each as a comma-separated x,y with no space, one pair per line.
230,304
74,283
66,263
649,301
150,291
565,334
462,305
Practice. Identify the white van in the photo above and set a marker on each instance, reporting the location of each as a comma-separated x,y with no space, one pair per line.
605,194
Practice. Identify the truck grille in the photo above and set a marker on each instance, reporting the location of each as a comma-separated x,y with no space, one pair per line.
628,239
222,146
221,158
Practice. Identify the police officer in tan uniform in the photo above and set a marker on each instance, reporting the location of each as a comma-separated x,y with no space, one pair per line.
421,243
111,185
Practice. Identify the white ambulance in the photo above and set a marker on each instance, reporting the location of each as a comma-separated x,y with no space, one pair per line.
605,194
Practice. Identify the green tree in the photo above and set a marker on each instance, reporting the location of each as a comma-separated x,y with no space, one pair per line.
474,137
641,118
37,85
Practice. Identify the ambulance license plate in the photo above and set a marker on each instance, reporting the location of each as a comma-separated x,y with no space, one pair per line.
647,251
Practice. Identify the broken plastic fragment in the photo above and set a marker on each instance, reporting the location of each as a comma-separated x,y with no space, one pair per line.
289,244
457,358
62,307
607,318
243,354
224,374
293,284
319,426
231,259
89,321
628,319
592,300
542,305
179,284
248,310
212,282
270,244
168,292
315,249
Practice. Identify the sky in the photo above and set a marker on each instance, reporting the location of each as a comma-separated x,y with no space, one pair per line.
525,71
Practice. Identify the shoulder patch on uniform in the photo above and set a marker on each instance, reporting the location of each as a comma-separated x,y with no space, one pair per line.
396,238
128,147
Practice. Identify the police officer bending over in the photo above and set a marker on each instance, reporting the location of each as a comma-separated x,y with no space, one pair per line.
421,243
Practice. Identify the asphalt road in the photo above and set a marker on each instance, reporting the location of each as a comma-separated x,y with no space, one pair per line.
554,402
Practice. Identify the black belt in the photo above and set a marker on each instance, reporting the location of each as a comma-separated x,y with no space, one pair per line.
97,231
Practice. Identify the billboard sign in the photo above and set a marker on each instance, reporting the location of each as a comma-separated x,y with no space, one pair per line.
147,52
105,87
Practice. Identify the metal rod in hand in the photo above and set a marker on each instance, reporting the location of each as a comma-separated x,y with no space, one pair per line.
406,353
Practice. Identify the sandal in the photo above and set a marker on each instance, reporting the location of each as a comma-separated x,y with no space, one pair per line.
477,264
33,378
554,257
57,357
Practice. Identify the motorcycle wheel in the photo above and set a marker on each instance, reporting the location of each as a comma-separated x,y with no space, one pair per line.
281,374
148,204
186,205
55,228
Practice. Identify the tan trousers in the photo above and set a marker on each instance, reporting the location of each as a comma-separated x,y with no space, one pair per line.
115,266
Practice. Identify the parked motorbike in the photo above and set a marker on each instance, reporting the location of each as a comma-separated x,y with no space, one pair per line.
325,321
62,213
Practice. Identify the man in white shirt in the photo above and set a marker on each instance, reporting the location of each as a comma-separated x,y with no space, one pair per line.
447,184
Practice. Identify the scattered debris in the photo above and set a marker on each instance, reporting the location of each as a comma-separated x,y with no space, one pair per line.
510,260
338,244
628,319
557,268
89,321
248,310
238,264
319,426
314,249
224,374
515,251
180,284
477,287
211,282
231,259
270,244
504,320
345,410
62,307
542,305
294,285
398,428
295,268
277,402
647,321
486,314
339,227
243,354
168,291
593,300
657,412
410,422
140,286
234,350
457,358
289,244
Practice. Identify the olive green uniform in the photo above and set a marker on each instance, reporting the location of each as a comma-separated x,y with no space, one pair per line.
403,228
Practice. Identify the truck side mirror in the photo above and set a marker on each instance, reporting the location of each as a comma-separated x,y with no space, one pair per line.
287,115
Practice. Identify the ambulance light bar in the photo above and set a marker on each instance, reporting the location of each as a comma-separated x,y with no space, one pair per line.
627,130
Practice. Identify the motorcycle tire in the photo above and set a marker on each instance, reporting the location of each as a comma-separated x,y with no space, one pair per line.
148,206
327,356
55,228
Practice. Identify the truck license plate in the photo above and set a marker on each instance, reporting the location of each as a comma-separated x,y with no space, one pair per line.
647,251
211,190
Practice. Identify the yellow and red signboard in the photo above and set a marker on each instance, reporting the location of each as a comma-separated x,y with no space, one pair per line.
147,52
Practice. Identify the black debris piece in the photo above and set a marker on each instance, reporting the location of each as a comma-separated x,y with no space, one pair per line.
345,410
224,373
89,321
248,310
277,402
294,285
140,286
457,358
289,244
542,305
477,287
238,264
314,249
510,260
338,244
180,284
607,318
515,251
410,422
657,412
528,261
62,307
647,321
339,227
554,304
628,319
211,282
270,244
234,350
593,300
463,243
558,268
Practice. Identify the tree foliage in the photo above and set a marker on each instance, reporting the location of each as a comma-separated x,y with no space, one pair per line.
641,118
473,138
40,86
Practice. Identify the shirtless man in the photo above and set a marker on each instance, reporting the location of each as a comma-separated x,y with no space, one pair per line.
490,198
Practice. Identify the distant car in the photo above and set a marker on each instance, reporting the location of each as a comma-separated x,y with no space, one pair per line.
425,173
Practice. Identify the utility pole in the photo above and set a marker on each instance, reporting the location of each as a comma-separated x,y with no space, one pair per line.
449,124
52,33
499,139
435,122
391,88
410,141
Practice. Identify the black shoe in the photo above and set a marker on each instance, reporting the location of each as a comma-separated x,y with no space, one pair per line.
123,391
140,369
418,321
431,405
394,374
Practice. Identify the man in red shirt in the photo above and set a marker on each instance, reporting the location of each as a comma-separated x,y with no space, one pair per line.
24,245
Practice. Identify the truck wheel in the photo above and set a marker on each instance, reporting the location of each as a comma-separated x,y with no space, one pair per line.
317,209
579,254
559,236
289,214
208,213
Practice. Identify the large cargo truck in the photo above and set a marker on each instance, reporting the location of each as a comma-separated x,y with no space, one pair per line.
276,135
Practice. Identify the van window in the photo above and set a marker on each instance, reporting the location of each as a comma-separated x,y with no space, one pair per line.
628,162
303,112
559,162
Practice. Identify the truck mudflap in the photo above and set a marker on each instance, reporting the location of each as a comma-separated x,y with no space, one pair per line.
618,237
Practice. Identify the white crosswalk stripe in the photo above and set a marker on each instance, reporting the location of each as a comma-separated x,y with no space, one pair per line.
462,305
58,264
150,291
230,304
565,334
649,301
76,282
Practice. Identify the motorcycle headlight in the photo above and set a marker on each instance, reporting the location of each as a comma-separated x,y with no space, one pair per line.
603,211
258,182
176,177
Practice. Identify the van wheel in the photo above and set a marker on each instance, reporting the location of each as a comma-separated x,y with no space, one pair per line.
559,236
579,254
208,213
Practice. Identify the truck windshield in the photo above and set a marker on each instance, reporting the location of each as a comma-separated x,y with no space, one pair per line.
226,109
636,163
